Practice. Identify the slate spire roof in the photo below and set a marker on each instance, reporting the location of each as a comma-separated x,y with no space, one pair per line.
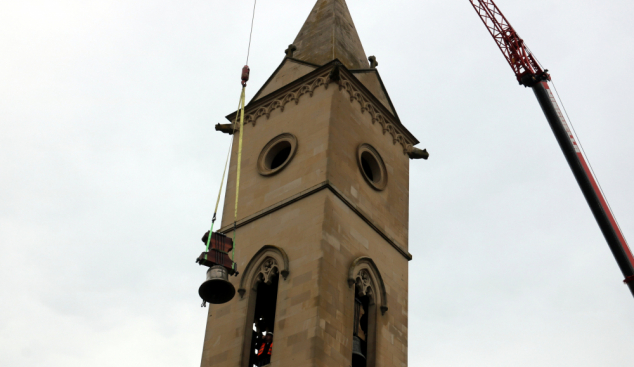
329,34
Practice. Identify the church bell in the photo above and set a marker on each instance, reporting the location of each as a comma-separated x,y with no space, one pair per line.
358,358
217,289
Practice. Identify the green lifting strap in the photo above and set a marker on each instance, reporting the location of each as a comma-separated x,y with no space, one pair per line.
241,106
213,219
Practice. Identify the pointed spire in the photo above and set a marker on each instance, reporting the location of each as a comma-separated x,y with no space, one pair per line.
329,34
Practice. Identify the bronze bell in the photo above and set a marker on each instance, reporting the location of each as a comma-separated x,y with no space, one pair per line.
217,289
358,358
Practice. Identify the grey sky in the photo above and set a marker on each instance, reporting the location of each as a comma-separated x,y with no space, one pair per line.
109,166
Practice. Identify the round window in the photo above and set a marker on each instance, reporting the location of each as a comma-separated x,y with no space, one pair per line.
372,166
276,154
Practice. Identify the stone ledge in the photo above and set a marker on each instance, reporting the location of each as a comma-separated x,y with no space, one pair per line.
306,193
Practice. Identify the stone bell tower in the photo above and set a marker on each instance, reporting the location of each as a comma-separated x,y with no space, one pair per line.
322,231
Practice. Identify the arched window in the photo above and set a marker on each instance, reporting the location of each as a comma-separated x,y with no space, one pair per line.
360,328
258,287
369,294
264,319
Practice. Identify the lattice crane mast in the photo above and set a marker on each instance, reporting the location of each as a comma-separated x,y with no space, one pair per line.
530,74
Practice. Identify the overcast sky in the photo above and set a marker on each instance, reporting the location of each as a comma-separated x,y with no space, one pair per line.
109,166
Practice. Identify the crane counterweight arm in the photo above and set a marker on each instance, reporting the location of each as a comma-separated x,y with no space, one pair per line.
530,74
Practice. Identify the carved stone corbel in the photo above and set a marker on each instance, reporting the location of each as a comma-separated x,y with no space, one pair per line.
226,128
415,153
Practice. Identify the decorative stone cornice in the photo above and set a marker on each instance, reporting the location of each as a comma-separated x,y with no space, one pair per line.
294,95
377,116
324,77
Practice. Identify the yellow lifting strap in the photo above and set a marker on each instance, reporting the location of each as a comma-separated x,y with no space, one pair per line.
239,152
224,172
240,131
213,218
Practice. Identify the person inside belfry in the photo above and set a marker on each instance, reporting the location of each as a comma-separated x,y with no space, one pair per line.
264,353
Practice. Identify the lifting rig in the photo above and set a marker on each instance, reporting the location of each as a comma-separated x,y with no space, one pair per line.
530,74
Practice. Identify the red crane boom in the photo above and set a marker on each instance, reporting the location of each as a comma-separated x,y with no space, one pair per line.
530,74
512,46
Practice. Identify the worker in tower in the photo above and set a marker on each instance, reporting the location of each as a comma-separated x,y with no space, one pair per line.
264,353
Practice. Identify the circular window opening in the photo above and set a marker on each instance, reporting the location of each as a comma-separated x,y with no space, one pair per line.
277,154
372,166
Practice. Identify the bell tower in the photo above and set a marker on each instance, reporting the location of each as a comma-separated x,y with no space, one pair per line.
322,232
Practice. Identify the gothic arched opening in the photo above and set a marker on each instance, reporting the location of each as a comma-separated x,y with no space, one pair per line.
259,287
360,329
263,322
364,279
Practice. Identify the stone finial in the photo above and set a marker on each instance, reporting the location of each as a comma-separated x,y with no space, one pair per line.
373,62
335,75
289,51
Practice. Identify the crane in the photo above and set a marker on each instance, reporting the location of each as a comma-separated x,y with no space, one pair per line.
529,73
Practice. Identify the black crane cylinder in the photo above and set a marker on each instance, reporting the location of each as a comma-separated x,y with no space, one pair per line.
558,125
